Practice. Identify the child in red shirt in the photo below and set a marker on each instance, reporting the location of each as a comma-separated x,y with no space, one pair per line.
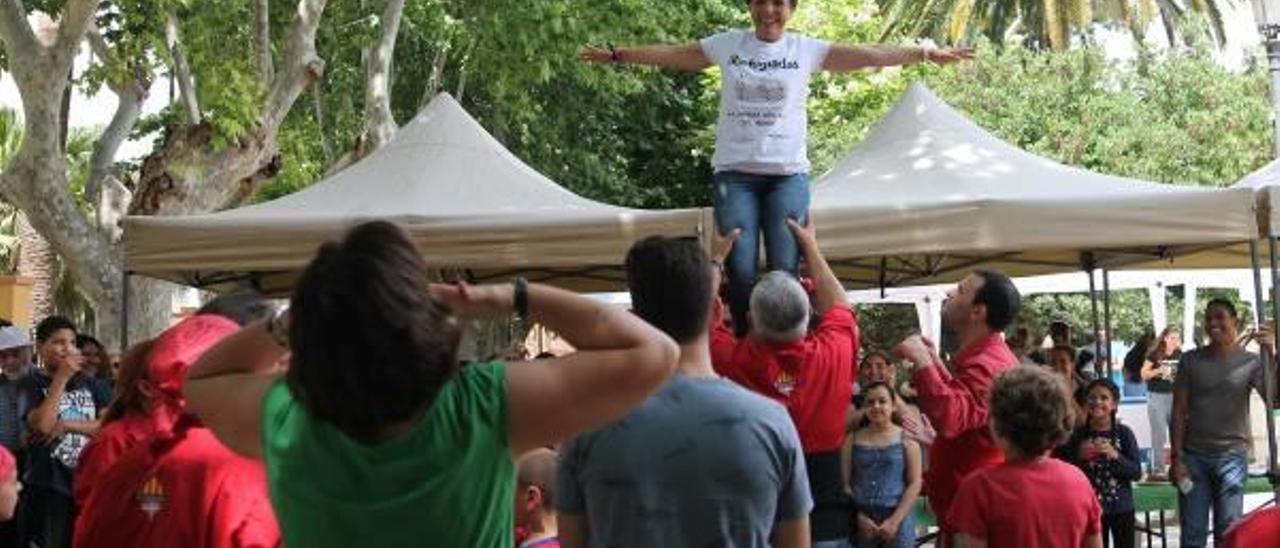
535,514
1031,499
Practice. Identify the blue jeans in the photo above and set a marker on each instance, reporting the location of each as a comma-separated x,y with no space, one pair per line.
1218,483
758,204
842,543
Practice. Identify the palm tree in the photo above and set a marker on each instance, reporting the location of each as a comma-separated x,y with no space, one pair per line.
1044,23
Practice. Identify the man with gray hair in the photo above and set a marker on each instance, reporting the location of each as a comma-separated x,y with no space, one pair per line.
810,372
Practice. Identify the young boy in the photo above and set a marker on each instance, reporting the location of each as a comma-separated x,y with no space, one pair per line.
1030,499
535,514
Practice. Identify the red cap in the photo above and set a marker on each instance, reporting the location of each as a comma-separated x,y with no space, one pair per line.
179,346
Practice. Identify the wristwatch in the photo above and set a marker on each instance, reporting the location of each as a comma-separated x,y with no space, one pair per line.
278,327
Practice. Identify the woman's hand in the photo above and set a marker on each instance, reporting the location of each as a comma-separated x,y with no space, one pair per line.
592,54
947,56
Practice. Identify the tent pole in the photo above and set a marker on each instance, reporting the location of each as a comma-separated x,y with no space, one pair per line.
1106,315
1093,306
1269,372
1267,359
124,312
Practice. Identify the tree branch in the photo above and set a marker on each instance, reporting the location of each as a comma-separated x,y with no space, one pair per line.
75,20
262,38
19,38
131,96
181,70
379,124
302,65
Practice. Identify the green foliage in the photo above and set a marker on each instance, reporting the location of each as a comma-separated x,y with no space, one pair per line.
1172,117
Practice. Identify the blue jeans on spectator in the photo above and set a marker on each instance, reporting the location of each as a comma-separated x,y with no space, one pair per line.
1218,483
758,204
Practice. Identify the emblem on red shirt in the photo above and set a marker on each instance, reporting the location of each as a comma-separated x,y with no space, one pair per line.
151,496
785,383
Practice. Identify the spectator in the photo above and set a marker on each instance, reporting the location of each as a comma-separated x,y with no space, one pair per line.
811,373
60,408
374,436
180,486
878,368
14,348
883,474
15,362
1020,345
1211,425
150,385
1030,499
535,507
1107,452
97,362
954,398
129,420
1062,362
703,462
1158,371
1134,385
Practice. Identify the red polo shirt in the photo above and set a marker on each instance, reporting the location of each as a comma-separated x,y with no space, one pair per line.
956,403
1259,528
812,377
187,490
113,441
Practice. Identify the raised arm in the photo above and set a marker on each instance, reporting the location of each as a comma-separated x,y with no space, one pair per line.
43,420
829,293
1150,370
620,361
842,58
689,57
954,403
225,387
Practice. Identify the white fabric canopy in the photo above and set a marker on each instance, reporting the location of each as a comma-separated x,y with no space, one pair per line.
467,202
929,194
1265,181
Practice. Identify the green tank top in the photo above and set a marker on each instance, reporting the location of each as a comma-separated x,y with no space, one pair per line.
448,482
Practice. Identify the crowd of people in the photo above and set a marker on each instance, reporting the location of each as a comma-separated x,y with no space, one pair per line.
348,418
725,408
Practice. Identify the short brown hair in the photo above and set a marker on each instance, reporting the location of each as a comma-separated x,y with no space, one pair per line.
1030,409
537,468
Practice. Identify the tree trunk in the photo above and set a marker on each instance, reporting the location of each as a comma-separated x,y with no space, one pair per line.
262,39
181,70
37,260
185,174
380,125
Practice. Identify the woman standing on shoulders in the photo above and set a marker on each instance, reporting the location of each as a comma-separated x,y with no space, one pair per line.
761,160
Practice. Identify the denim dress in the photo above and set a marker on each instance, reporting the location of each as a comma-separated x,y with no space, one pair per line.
878,480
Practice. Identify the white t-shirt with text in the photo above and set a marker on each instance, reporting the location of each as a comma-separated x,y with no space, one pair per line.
763,125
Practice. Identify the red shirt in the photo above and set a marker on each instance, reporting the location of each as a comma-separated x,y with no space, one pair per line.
187,490
1260,528
1044,503
112,441
812,377
956,404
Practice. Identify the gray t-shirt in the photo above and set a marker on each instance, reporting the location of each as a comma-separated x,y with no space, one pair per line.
703,462
1218,399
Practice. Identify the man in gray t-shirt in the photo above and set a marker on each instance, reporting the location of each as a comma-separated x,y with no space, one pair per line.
1211,426
703,462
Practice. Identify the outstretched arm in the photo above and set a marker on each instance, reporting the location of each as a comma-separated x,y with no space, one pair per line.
842,58
688,57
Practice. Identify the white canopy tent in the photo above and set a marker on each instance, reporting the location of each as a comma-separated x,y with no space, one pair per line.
466,201
929,194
